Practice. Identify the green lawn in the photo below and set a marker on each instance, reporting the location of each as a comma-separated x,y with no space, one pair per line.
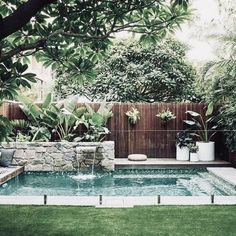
156,220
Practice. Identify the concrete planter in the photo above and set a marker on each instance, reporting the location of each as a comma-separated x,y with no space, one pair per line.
61,156
193,156
182,154
206,151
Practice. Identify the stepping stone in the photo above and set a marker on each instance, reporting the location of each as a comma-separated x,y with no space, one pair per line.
137,157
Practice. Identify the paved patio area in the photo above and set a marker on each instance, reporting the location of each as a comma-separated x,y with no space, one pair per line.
166,162
226,173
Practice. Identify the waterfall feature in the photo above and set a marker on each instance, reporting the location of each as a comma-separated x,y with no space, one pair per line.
86,159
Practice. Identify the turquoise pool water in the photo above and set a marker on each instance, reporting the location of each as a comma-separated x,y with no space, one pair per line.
168,182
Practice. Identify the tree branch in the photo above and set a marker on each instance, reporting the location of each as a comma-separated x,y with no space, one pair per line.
21,16
21,48
25,47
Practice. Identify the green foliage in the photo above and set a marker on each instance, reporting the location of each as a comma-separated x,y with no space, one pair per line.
166,115
218,81
227,123
59,121
52,121
20,131
193,148
136,73
74,35
71,36
133,115
203,127
12,76
95,122
22,137
5,128
183,138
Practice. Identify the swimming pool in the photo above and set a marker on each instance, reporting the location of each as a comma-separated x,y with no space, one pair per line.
166,182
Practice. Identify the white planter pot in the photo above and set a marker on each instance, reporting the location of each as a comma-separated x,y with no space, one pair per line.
206,151
193,156
182,154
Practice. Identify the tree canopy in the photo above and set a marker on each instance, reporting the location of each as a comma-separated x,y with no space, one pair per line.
218,81
133,72
74,34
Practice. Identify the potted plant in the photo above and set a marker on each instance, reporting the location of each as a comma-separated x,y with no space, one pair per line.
204,130
182,141
166,115
133,115
193,149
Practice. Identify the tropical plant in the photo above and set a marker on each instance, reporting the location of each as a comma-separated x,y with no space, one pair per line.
20,137
218,76
166,115
193,148
133,115
52,121
5,128
95,122
227,124
61,118
183,138
204,128
20,130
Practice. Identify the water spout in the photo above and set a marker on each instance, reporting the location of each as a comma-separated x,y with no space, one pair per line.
81,156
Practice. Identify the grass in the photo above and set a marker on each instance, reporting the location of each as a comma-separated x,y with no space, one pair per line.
156,220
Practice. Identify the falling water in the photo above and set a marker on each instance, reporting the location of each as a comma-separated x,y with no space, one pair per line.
81,176
94,155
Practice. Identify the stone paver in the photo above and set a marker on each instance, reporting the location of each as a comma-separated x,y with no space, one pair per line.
226,173
165,162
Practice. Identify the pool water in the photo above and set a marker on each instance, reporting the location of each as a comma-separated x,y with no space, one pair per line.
165,182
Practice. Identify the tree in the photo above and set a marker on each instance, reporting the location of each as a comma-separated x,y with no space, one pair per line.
136,73
73,34
218,80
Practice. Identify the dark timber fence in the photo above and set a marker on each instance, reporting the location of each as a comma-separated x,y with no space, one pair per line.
149,136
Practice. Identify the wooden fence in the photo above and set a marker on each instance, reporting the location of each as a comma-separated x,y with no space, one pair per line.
149,136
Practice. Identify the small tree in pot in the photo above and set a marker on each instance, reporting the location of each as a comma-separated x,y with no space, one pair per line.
182,139
193,149
204,130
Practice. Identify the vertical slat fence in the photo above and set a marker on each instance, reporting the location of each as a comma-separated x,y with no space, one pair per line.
149,136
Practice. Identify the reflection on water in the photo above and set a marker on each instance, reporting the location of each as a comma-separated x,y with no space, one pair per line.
168,182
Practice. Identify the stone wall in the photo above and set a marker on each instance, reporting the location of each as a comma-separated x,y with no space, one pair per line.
62,156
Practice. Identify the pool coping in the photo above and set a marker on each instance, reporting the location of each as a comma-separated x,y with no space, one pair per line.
154,163
117,202
226,173
11,172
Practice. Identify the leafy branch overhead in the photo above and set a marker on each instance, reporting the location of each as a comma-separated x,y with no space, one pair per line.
64,22
74,34
59,29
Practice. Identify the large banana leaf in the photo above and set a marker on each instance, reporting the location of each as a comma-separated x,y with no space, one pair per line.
48,101
70,104
31,110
